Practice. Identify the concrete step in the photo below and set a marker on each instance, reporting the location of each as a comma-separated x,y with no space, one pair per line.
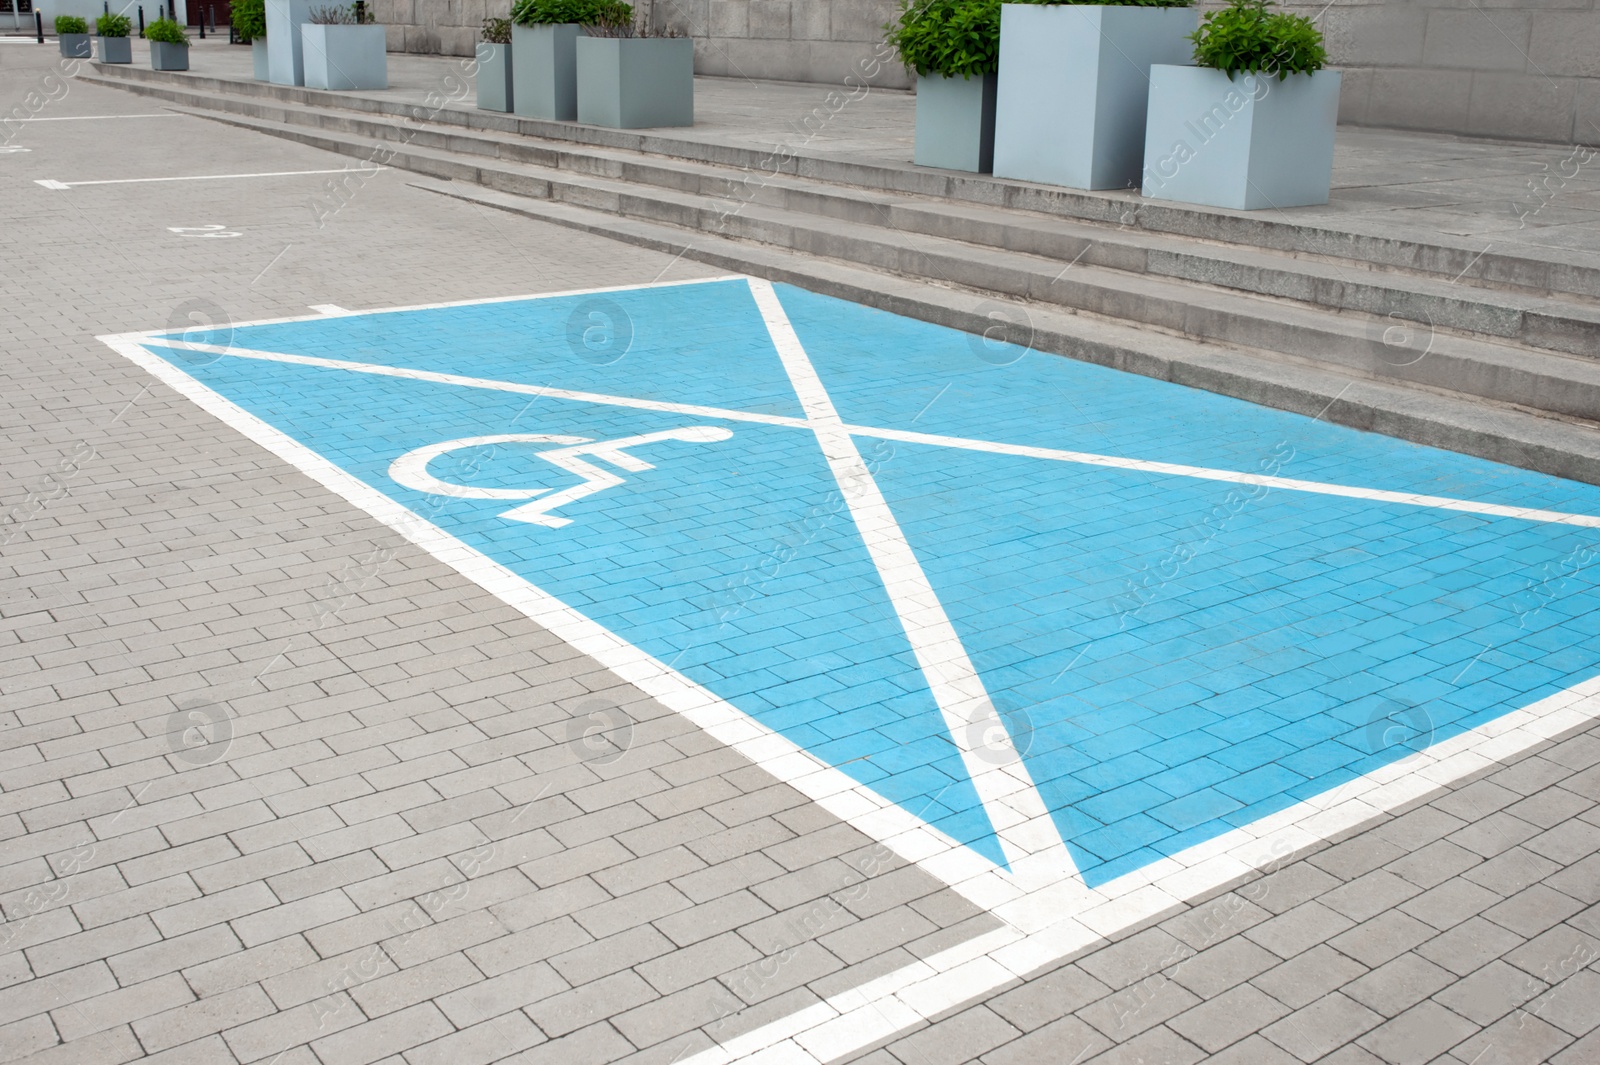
1453,260
1196,334
1412,306
1529,379
1564,447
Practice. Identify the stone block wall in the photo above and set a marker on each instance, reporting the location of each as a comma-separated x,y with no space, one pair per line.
1521,69
782,40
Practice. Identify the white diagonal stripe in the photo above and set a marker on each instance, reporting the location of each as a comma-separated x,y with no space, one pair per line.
1085,458
1027,832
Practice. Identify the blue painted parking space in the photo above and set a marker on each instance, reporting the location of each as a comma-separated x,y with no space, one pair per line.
1173,654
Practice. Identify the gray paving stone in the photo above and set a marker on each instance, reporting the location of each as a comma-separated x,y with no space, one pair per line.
1316,1030
1515,1038
971,1034
1469,945
1490,993
1229,1017
1397,985
1296,930
1306,978
1067,1039
1448,904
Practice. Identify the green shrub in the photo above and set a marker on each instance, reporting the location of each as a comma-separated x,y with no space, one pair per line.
249,19
113,25
166,31
70,24
949,37
1245,36
1111,3
546,12
497,30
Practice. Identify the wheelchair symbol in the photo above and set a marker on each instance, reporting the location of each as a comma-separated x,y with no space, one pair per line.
411,469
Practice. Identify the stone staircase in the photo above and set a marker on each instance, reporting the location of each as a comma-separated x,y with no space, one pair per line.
1413,335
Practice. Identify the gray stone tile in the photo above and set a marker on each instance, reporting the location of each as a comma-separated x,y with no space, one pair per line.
965,1037
1224,1020
1490,993
1469,945
1316,1030
1304,979
1397,985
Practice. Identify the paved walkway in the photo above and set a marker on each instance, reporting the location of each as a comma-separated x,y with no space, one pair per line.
684,666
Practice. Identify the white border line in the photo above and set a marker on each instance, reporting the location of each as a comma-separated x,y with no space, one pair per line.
1042,925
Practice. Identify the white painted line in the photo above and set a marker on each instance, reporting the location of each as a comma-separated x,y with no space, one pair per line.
491,301
1288,483
480,382
1033,848
329,309
906,835
852,1020
1041,925
50,183
93,118
1466,506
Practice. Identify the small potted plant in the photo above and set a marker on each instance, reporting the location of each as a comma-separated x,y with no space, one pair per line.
249,19
72,34
1074,84
544,56
954,46
344,48
631,78
1252,125
169,45
113,33
494,65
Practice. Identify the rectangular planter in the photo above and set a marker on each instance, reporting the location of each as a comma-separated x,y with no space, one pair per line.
345,57
260,60
164,56
544,70
1074,84
1248,143
955,122
114,49
286,62
74,45
636,82
494,76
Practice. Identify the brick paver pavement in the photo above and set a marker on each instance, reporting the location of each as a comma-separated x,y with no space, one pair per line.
407,852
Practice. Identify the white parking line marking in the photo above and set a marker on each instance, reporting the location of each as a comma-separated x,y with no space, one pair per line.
92,118
1027,832
51,183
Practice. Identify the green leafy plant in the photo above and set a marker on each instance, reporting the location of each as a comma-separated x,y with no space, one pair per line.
333,15
166,31
249,19
556,12
1246,36
949,37
497,30
70,24
613,18
109,25
1108,3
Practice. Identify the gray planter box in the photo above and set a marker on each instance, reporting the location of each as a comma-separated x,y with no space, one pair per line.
114,49
494,76
261,62
164,56
286,62
955,122
544,70
1074,83
636,82
1248,143
345,57
74,45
